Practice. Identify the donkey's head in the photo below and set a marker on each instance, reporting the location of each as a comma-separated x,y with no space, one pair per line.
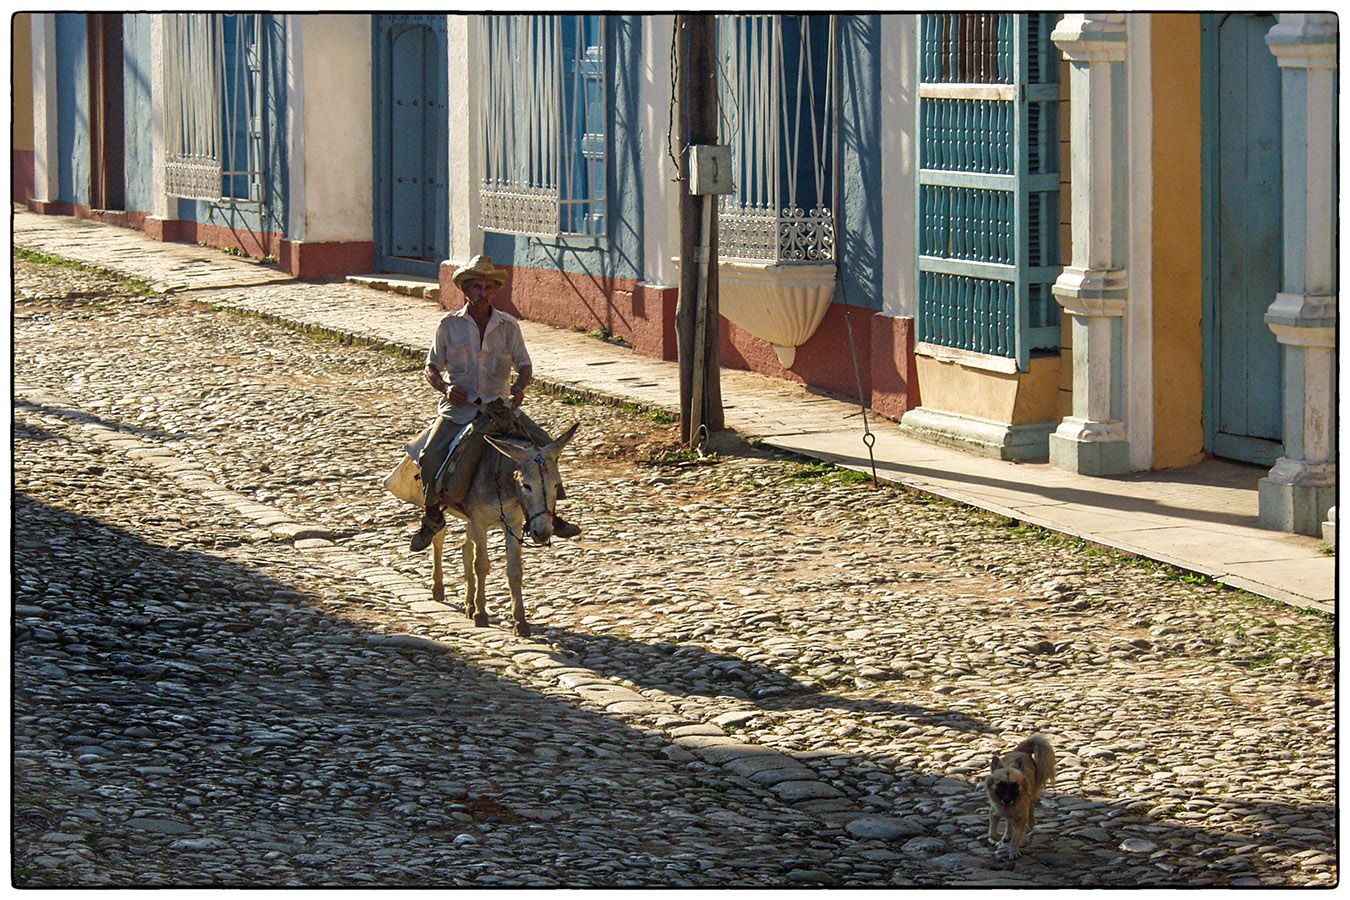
536,478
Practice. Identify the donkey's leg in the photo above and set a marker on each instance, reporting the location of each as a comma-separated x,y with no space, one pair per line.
514,573
481,566
437,574
470,580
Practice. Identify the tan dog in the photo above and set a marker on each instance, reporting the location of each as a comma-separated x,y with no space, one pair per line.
1014,785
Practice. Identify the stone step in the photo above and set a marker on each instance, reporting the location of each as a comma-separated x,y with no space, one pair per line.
411,285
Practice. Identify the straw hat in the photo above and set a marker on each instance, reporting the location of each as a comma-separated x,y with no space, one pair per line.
480,267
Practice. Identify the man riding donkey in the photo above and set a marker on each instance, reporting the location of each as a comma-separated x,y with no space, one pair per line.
469,366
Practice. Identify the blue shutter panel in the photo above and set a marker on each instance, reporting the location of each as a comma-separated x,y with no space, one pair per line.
988,194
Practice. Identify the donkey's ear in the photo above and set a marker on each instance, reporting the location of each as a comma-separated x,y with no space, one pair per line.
517,451
561,440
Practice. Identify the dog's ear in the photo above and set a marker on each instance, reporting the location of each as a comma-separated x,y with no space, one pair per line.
993,766
1019,763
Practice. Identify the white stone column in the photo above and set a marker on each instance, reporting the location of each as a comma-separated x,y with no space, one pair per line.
295,126
1301,488
660,193
46,168
899,159
465,74
163,207
335,143
1093,289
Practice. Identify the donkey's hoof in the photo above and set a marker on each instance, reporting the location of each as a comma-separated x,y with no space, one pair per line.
522,629
481,620
438,593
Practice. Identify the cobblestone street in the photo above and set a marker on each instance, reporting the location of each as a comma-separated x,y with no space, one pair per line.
750,670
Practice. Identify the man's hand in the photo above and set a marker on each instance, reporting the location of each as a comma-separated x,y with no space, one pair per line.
524,375
457,395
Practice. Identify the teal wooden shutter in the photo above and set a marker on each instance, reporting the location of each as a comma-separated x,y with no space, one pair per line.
988,192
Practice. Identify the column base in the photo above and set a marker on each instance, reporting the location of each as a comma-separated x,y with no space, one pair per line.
1329,529
998,440
1090,448
1296,497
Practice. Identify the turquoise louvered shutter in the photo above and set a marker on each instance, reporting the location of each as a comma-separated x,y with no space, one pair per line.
988,192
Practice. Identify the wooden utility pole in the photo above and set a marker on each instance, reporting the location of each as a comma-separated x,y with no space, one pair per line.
695,48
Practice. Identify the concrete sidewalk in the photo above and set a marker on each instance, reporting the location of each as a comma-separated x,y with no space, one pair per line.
1201,518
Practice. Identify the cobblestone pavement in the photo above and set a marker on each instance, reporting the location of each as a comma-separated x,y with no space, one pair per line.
750,671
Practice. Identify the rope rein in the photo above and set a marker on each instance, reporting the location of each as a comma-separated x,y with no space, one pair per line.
501,507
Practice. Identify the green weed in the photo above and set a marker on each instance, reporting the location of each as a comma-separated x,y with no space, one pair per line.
49,259
609,337
687,456
827,474
659,416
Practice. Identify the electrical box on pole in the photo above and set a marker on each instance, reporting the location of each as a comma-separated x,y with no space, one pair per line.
710,169
709,175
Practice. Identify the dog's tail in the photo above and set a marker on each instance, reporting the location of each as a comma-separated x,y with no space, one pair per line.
1042,754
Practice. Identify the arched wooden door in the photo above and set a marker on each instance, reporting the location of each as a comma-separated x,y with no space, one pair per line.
411,143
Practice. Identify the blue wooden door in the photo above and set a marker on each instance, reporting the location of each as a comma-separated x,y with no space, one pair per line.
411,140
1243,371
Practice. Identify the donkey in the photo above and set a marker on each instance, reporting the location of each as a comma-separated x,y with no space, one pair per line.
514,489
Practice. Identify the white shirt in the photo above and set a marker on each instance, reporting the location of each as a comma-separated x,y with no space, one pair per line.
481,366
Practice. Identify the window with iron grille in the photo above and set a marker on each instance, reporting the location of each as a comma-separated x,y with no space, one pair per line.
776,101
545,115
215,131
988,191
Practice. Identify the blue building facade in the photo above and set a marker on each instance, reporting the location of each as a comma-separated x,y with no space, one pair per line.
904,225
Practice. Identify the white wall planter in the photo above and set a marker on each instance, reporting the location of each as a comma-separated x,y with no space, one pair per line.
782,304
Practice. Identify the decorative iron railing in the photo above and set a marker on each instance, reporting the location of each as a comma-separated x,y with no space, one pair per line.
213,113
776,91
544,125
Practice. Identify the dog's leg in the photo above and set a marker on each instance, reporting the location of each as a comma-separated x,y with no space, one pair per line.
1031,819
993,825
1015,832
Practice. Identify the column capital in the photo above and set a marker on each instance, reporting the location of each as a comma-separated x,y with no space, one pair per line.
1091,37
1304,40
1302,472
1305,320
1086,430
1091,292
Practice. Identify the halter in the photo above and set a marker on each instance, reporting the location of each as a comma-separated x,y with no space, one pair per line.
501,509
